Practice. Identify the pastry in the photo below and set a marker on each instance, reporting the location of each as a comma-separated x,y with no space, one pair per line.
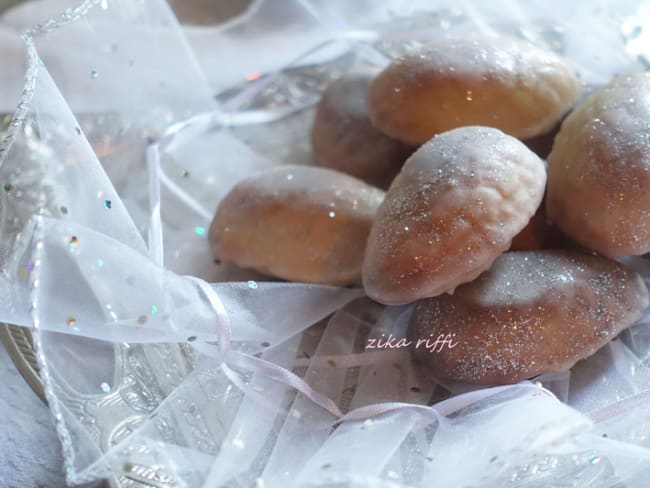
298,223
499,82
539,233
453,209
344,139
532,313
599,170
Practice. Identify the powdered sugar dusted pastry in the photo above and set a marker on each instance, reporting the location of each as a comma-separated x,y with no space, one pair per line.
344,139
599,170
531,313
455,206
516,87
298,223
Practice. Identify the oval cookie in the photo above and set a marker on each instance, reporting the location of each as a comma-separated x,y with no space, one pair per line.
499,82
344,139
599,170
298,223
532,313
455,206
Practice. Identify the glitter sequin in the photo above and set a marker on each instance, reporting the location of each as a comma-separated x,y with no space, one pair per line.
94,74
107,204
252,285
106,388
199,231
73,242
154,310
7,187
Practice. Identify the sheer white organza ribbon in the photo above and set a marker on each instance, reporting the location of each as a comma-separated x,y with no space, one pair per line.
57,307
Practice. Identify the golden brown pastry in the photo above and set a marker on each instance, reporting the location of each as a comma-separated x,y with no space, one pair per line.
599,170
531,313
543,143
344,139
455,206
539,233
297,223
499,82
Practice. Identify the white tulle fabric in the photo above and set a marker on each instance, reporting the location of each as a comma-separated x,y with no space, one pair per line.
115,159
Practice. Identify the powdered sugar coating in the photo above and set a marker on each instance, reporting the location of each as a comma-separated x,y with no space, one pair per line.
599,170
532,313
298,223
343,137
455,206
513,86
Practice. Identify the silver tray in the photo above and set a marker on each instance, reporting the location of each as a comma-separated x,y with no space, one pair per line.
143,377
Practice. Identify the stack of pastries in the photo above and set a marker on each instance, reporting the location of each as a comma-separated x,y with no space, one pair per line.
429,187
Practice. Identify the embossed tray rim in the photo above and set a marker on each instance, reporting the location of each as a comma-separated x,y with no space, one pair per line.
19,345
